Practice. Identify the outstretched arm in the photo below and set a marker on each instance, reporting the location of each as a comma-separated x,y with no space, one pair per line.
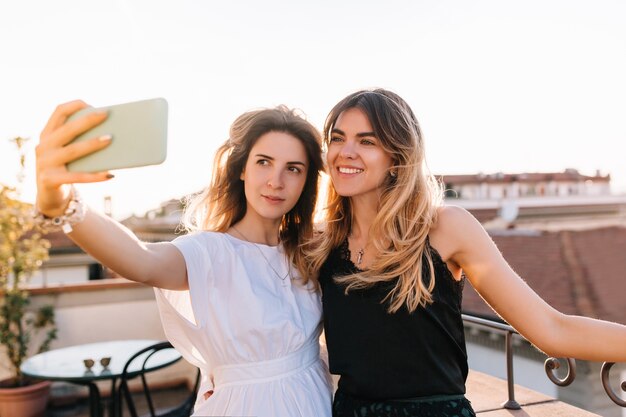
468,245
157,264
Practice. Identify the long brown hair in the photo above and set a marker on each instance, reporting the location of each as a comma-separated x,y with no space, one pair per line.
407,209
223,203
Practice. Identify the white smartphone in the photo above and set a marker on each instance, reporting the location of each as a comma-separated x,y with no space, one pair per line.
139,136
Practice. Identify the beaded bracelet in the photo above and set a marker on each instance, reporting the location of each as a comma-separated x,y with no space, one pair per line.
73,214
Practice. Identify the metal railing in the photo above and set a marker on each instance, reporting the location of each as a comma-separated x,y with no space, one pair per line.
550,365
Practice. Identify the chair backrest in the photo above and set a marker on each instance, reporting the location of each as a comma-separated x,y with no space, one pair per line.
130,371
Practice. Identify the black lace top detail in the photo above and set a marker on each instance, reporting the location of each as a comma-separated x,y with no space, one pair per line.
381,355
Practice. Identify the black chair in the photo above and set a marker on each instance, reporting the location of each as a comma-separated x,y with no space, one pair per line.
182,410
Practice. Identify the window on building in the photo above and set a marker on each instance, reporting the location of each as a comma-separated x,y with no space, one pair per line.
95,272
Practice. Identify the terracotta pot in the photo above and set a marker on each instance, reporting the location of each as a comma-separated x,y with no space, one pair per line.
28,401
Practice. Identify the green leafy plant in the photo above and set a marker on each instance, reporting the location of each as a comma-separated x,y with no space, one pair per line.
22,251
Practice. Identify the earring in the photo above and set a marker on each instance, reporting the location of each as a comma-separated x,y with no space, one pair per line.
393,174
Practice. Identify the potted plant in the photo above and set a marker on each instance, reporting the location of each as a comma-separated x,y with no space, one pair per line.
22,251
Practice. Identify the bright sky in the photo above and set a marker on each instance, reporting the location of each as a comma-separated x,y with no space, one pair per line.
498,85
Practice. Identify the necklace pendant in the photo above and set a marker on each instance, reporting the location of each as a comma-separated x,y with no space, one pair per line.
359,256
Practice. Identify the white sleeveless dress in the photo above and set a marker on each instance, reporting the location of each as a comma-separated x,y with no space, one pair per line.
254,336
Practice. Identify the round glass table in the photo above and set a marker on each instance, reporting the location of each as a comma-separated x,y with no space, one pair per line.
68,364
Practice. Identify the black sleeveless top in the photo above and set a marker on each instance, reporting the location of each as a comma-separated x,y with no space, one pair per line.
384,356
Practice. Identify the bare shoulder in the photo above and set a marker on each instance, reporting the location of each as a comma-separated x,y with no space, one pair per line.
451,221
451,213
451,229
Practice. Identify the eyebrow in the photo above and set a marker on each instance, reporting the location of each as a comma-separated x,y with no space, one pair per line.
358,135
260,155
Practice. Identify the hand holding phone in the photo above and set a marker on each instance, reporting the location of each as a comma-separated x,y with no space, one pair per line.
139,136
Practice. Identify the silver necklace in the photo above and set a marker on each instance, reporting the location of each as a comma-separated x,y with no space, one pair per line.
359,256
282,278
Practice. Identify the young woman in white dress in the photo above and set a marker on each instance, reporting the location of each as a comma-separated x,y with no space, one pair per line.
233,295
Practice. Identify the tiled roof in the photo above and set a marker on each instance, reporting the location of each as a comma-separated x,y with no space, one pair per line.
59,241
602,255
577,272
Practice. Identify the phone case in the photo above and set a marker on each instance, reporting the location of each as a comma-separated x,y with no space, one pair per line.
139,136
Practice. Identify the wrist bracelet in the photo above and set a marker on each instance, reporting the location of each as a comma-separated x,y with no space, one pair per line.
73,214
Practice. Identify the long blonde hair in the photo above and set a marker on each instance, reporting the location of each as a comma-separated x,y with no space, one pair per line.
407,209
223,203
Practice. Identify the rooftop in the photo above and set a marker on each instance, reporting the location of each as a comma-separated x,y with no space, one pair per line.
576,272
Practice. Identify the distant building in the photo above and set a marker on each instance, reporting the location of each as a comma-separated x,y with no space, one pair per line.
538,201
502,186
158,225
67,264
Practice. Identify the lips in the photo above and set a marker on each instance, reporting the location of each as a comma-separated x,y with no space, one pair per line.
272,199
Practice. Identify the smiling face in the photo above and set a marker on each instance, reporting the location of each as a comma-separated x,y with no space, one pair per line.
274,175
357,163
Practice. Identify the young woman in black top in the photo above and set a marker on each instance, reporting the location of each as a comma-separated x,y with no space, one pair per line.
392,260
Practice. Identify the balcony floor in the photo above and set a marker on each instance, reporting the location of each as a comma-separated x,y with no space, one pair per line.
486,393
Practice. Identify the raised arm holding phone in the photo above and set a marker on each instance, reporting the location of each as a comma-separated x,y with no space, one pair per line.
234,295
107,240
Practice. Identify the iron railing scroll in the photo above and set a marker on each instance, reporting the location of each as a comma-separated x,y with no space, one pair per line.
550,365
606,368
